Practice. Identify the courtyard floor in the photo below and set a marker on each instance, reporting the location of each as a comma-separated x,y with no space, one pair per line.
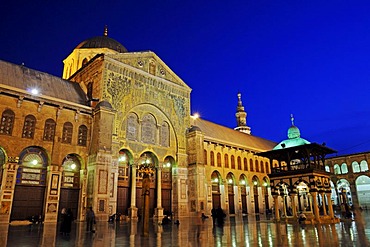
256,230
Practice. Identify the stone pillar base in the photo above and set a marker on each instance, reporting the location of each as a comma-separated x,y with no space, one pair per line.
132,213
158,215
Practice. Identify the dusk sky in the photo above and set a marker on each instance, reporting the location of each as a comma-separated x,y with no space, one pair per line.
309,58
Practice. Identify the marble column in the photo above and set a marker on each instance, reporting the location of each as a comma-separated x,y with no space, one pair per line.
133,208
159,209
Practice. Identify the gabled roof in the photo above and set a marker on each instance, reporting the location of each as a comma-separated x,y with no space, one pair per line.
228,136
26,79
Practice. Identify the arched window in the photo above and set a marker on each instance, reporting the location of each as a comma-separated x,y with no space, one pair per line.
7,122
29,127
327,168
132,127
344,168
212,158
257,166
226,161
245,164
82,135
165,135
219,160
262,167
337,169
267,167
364,166
355,167
239,163
232,162
67,133
49,130
148,129
205,157
251,165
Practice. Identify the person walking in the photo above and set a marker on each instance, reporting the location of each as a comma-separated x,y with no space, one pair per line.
90,219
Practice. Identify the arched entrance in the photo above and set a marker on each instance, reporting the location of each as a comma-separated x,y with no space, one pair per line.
256,184
363,191
243,183
216,192
304,203
30,184
149,159
344,192
70,186
230,192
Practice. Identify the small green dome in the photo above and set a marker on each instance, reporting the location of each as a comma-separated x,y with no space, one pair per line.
293,132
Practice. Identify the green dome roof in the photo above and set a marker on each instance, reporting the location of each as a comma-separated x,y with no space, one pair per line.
294,138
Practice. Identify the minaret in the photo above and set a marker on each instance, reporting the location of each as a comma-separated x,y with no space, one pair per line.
241,117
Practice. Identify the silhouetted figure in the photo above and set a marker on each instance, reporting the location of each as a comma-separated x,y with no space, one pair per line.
166,220
214,215
203,216
68,219
90,219
220,216
63,215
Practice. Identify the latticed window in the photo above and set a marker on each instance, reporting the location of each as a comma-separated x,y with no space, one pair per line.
82,135
239,163
219,160
267,167
132,127
148,129
212,158
67,133
251,165
257,166
7,122
165,135
49,130
245,164
262,167
29,127
226,161
232,162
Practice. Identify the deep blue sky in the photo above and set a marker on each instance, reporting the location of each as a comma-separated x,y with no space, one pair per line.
306,57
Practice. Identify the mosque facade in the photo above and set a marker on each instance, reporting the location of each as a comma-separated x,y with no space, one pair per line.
86,139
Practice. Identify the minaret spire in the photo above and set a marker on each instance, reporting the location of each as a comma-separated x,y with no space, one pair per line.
105,30
241,117
292,119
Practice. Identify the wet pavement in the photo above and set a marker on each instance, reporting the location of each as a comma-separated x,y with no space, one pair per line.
236,231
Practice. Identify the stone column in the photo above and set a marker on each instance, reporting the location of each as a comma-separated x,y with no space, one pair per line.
159,209
276,206
323,202
294,205
133,209
330,205
7,189
315,206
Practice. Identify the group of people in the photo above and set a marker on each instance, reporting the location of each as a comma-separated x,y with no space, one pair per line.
66,219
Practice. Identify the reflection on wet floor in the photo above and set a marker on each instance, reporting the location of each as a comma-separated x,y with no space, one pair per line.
236,231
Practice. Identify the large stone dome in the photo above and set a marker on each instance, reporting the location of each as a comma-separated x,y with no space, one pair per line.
102,42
